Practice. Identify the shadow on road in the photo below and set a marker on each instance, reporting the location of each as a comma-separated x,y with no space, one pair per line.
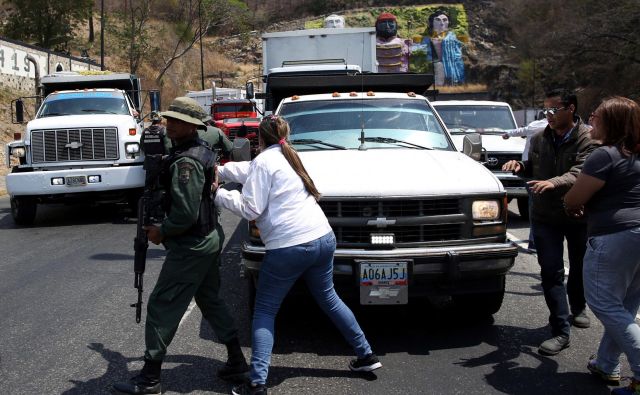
54,215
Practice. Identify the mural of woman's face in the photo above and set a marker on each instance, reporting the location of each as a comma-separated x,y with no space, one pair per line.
441,23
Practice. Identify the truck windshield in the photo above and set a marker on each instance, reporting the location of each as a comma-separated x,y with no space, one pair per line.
340,122
83,103
466,119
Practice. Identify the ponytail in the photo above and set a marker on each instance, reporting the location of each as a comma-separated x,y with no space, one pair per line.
275,130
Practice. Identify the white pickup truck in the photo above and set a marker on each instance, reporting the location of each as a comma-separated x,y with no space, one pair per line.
412,215
490,119
82,145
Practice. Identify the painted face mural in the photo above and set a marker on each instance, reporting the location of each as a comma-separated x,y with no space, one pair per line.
441,23
334,22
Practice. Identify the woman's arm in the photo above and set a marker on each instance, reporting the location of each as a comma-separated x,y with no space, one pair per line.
581,192
253,200
234,172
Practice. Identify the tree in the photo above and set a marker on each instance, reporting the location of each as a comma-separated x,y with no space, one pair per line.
49,24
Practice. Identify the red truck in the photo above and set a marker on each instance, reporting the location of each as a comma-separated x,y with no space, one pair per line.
232,108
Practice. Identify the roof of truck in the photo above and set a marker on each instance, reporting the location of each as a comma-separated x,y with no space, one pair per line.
469,103
354,95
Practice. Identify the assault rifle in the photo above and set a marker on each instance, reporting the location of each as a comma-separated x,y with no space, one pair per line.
150,209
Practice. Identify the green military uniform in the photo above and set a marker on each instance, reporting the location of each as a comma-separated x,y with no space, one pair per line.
216,139
191,268
193,239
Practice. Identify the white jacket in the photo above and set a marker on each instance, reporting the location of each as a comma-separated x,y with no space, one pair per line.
274,196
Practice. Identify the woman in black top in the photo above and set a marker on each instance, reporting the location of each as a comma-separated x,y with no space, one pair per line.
608,192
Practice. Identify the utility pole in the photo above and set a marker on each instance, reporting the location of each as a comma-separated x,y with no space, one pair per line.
102,35
201,54
533,88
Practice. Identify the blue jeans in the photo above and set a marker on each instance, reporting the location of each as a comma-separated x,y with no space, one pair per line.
549,241
612,288
313,261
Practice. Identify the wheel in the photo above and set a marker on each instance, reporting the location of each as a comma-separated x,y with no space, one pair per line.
23,210
523,207
484,304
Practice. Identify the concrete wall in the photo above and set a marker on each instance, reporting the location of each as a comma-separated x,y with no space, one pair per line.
16,72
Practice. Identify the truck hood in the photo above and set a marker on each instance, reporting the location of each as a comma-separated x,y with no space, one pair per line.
81,121
397,172
494,143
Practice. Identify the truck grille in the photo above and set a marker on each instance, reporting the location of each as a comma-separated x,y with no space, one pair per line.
494,161
63,145
360,211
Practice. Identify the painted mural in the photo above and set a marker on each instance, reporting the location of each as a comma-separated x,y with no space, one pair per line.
423,39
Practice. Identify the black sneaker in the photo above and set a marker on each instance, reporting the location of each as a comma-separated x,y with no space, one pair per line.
367,364
249,389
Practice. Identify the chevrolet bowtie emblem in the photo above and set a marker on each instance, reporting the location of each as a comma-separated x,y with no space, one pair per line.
73,145
381,222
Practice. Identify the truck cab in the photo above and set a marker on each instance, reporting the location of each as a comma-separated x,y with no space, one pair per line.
82,145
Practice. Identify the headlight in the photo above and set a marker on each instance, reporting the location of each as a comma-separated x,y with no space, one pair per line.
132,148
18,152
484,210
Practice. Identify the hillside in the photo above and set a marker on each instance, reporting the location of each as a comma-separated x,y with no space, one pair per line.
232,60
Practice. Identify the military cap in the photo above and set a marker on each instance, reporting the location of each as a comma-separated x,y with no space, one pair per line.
185,109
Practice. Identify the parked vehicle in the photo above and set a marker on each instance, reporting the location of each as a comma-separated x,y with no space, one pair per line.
82,145
413,217
490,119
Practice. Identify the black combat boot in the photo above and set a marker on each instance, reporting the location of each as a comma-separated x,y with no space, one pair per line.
236,368
147,382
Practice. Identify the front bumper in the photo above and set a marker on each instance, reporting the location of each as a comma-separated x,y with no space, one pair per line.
433,270
39,182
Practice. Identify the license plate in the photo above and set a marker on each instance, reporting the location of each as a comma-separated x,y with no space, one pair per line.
384,282
392,273
76,181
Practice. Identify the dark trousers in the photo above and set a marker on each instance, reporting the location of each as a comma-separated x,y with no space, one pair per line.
549,240
186,275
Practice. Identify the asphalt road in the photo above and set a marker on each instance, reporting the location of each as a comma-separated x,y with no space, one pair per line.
66,326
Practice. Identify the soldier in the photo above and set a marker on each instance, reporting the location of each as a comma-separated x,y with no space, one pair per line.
193,240
215,137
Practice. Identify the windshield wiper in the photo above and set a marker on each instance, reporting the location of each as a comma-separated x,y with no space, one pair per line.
100,111
54,114
389,140
314,141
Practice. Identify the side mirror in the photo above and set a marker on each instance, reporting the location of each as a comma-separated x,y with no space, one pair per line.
472,146
19,110
250,91
154,99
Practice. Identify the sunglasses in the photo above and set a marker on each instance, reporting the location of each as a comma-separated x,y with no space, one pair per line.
552,110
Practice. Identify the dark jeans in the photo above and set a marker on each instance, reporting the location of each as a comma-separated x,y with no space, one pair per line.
549,240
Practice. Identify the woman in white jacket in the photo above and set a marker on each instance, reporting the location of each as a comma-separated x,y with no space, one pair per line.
280,196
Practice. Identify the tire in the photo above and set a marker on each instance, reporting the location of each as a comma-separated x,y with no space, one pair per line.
23,210
480,305
523,207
